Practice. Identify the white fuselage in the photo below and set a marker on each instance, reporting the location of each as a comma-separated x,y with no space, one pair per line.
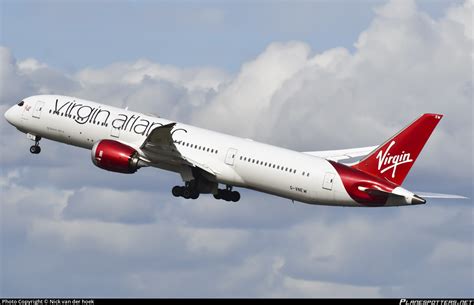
235,161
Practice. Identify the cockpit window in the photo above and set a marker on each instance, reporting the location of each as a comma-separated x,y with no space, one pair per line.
21,103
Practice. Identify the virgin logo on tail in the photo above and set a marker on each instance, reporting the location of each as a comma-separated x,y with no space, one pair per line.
387,161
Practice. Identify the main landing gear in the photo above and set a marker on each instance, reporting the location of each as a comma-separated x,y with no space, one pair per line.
186,192
189,191
36,149
227,194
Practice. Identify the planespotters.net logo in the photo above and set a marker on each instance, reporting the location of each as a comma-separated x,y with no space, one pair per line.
436,302
390,162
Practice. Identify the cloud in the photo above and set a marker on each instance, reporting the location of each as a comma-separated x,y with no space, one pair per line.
111,205
70,229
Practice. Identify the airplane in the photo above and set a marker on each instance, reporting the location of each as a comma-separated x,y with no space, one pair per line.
124,141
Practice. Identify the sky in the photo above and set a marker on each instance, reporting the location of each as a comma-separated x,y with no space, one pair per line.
309,75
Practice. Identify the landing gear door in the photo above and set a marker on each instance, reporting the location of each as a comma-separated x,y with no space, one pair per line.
230,157
38,108
328,181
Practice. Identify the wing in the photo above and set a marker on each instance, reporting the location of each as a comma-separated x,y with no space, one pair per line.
342,154
159,147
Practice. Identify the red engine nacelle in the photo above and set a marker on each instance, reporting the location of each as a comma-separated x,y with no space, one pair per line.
115,156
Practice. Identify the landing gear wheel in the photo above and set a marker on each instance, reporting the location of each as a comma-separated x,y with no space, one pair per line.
235,196
35,149
194,195
177,191
186,193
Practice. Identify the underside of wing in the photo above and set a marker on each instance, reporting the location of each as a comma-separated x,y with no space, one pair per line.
159,147
342,154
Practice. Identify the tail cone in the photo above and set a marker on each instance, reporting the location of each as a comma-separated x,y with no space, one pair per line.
417,200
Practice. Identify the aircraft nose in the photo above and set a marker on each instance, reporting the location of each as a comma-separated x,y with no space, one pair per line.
9,115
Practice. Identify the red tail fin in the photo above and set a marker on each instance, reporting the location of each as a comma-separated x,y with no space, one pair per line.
393,159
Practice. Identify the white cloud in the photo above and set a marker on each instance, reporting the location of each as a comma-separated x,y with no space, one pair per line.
111,205
31,64
249,95
309,289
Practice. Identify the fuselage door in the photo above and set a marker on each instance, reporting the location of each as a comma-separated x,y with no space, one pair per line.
230,157
38,108
328,181
115,132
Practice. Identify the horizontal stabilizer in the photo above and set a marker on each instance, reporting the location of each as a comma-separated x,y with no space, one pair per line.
342,154
440,196
376,192
413,199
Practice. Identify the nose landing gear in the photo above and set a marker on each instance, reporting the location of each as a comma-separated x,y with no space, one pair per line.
35,149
